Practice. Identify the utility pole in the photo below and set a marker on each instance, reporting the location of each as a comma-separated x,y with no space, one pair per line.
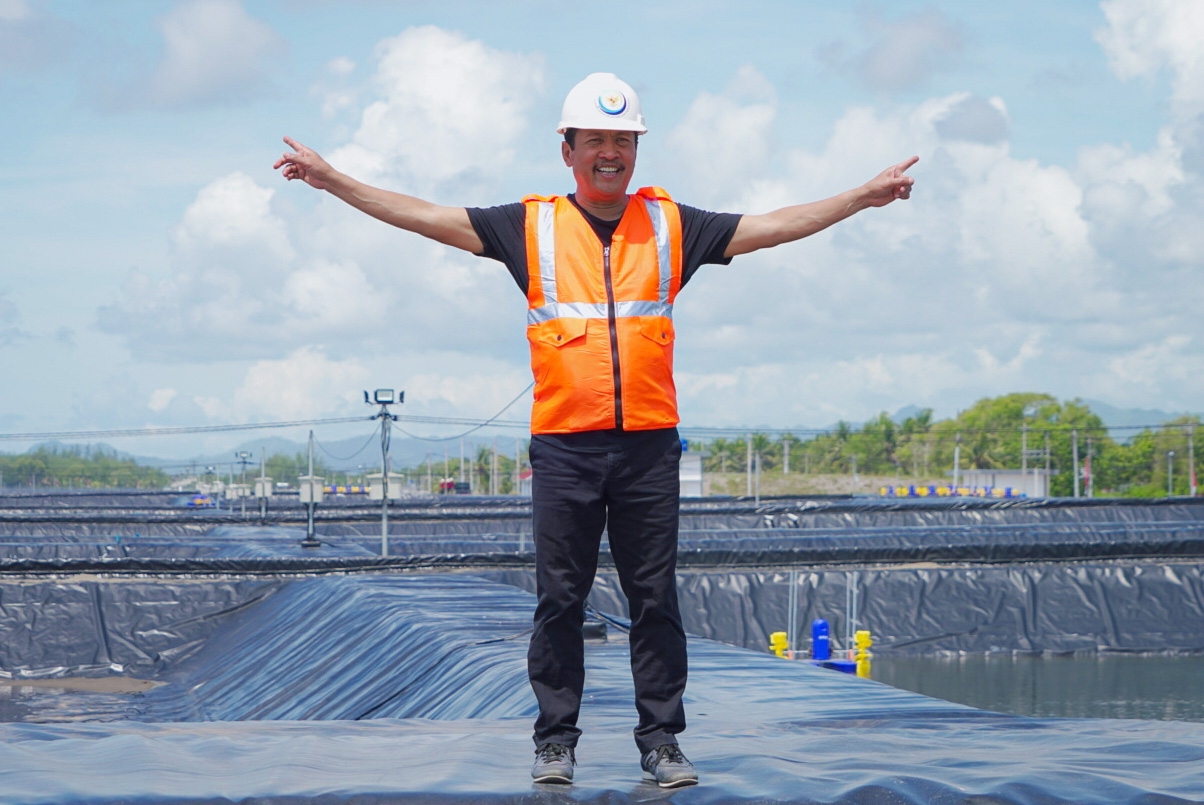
310,493
1170,469
263,486
1087,469
854,459
1024,448
1191,460
1047,465
957,462
495,487
748,467
1074,446
786,455
758,470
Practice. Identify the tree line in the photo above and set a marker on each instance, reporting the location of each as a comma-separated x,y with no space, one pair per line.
77,467
994,433
991,434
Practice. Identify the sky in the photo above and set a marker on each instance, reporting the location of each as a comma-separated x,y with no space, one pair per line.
156,272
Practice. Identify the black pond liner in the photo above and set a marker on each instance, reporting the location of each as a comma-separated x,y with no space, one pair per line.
290,674
375,689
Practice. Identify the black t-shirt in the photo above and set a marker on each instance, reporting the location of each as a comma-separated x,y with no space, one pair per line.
705,236
502,230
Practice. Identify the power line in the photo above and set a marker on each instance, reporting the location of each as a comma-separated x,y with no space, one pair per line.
174,431
493,420
361,449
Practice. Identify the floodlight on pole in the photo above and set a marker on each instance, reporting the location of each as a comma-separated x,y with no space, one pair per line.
384,398
243,457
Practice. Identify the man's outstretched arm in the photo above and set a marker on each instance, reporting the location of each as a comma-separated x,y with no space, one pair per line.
793,223
448,225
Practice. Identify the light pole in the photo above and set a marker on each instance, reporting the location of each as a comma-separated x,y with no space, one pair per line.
384,398
1170,469
263,487
309,492
243,456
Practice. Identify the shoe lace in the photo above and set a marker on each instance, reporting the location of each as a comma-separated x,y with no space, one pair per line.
554,752
671,753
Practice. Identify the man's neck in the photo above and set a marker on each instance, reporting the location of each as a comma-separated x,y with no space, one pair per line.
607,211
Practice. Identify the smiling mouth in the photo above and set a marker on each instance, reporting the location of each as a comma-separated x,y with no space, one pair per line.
609,170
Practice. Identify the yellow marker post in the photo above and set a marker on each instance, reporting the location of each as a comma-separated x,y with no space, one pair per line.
778,644
863,641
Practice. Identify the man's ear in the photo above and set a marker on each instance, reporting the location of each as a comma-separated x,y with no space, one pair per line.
566,152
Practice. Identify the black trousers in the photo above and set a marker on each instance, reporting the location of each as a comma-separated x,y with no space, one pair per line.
633,493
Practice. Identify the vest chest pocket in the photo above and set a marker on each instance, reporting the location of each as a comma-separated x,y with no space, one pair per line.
658,329
557,332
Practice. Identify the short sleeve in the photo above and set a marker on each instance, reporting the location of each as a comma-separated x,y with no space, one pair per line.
502,231
705,237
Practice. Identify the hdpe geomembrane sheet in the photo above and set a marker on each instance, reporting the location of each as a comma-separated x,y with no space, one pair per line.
1123,606
412,689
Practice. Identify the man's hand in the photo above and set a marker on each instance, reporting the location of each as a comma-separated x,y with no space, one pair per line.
306,165
803,220
449,225
891,184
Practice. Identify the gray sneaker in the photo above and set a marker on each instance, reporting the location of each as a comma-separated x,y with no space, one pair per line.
554,764
669,767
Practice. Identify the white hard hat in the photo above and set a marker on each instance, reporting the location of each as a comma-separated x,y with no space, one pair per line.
602,101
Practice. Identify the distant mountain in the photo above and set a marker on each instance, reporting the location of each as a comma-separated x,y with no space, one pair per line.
1115,417
351,454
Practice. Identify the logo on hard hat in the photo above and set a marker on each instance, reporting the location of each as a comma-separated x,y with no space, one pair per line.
612,103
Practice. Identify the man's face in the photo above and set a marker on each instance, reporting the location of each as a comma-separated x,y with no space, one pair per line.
602,163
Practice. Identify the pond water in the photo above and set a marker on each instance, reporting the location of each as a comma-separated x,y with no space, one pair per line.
1159,687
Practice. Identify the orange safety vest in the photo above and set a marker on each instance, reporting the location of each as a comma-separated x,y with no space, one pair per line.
600,321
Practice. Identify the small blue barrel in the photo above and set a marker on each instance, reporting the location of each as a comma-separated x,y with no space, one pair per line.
821,640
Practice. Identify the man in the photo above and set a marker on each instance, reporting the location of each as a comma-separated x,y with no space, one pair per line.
601,270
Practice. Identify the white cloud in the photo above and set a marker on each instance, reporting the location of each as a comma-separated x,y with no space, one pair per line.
161,398
975,120
233,213
449,112
10,333
1163,369
902,53
13,10
32,39
340,66
306,384
729,133
214,52
248,281
334,297
1144,37
999,274
334,90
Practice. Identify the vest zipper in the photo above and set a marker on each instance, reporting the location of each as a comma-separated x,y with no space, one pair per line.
614,336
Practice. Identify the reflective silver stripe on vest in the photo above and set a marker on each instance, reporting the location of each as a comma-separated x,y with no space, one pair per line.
586,310
553,308
546,234
660,226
